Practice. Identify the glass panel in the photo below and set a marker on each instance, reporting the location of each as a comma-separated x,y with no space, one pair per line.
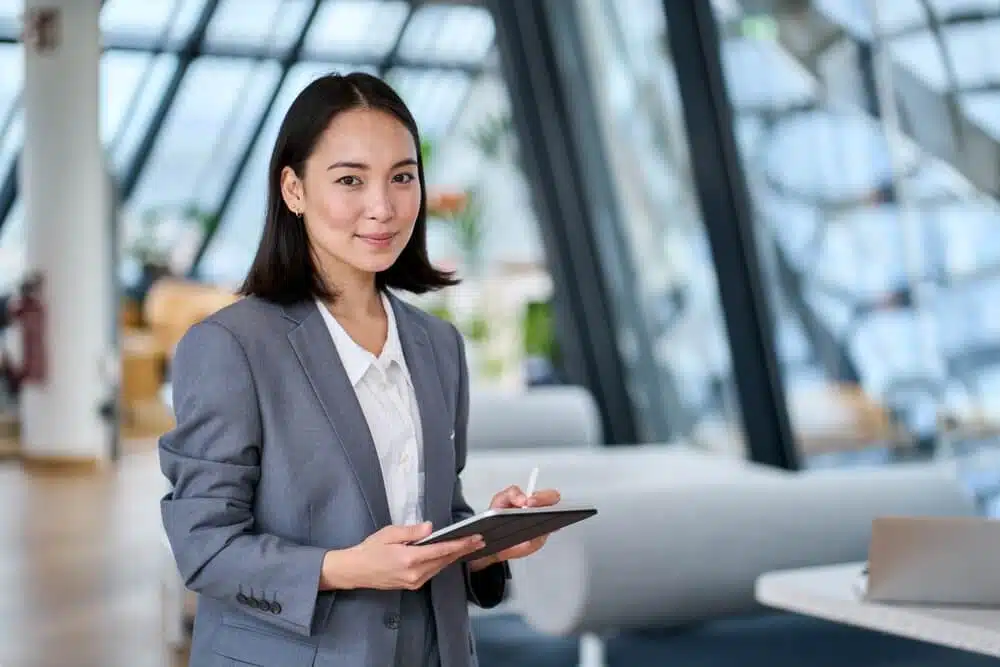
881,258
12,248
12,64
11,141
122,72
437,33
503,305
433,96
151,88
273,24
195,152
897,16
232,140
10,17
188,141
351,29
169,22
644,138
231,249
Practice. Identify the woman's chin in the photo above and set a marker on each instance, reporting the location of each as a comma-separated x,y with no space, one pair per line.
376,263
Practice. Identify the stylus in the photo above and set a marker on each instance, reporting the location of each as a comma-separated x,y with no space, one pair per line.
531,482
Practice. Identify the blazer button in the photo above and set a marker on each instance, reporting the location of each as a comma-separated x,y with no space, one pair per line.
392,620
275,607
241,598
264,605
254,603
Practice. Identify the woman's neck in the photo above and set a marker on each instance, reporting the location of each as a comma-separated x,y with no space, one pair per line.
355,295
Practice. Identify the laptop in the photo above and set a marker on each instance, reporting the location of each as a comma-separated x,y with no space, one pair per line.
934,561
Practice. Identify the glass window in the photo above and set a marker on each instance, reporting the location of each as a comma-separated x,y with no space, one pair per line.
199,142
880,257
645,141
352,29
141,107
433,96
439,33
11,141
122,72
231,249
269,24
10,17
12,247
12,63
166,22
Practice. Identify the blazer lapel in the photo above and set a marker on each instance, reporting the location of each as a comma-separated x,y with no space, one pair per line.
317,353
438,449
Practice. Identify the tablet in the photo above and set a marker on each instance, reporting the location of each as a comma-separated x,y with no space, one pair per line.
503,528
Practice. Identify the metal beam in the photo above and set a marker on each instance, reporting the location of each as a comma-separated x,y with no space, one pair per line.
287,61
727,214
588,337
8,191
261,52
186,56
391,58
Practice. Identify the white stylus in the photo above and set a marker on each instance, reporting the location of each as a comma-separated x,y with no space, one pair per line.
531,482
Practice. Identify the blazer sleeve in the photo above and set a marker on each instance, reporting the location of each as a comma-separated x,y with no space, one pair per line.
212,461
487,587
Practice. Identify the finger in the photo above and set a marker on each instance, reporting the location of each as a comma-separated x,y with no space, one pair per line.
400,534
544,498
449,549
523,549
512,496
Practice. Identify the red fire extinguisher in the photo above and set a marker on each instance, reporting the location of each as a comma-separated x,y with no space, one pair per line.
29,311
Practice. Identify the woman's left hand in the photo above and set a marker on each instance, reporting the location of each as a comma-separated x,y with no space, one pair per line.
510,497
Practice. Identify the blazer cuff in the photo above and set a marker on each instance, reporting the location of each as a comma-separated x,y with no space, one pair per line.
488,587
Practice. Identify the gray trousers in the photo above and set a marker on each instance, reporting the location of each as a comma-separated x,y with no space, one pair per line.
416,643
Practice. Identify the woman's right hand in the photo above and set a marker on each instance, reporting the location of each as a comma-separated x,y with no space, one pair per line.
387,560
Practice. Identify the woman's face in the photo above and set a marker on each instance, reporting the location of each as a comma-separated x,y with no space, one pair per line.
359,193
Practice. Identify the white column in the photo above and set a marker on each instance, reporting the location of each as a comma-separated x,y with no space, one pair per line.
66,216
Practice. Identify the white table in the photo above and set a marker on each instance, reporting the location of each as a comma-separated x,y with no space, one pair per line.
830,593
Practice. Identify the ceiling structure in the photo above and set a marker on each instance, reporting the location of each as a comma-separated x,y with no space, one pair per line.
177,71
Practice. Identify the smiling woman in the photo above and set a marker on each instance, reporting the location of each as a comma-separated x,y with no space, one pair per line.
322,421
339,200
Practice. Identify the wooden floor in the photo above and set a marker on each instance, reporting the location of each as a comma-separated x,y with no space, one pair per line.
79,566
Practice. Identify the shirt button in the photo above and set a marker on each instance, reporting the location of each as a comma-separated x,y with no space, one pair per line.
392,620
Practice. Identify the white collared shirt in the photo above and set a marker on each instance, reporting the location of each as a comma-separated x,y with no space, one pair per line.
385,392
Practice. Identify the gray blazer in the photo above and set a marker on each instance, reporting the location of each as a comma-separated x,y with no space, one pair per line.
272,463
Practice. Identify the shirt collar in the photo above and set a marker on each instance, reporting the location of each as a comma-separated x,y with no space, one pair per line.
356,359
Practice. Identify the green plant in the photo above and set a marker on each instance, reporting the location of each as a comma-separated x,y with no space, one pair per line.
155,237
476,329
467,226
442,311
539,331
426,152
492,367
492,135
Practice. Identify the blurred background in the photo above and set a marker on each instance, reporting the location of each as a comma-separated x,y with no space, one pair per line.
703,244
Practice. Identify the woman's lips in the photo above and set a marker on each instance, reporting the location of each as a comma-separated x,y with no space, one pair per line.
382,240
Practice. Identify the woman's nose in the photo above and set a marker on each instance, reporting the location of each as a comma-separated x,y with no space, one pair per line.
379,205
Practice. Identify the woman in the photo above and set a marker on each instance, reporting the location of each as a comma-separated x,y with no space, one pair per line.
321,421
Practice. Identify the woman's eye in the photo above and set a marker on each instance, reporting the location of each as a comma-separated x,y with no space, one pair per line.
403,178
349,180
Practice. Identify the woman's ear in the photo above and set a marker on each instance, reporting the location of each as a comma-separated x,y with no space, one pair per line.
292,191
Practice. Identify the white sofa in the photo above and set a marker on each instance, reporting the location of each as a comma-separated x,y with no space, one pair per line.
547,417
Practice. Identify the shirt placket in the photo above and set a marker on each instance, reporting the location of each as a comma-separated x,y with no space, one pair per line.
409,479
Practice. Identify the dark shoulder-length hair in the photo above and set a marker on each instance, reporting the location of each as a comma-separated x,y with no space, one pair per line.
284,269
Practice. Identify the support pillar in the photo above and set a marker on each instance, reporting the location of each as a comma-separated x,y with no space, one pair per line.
63,182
